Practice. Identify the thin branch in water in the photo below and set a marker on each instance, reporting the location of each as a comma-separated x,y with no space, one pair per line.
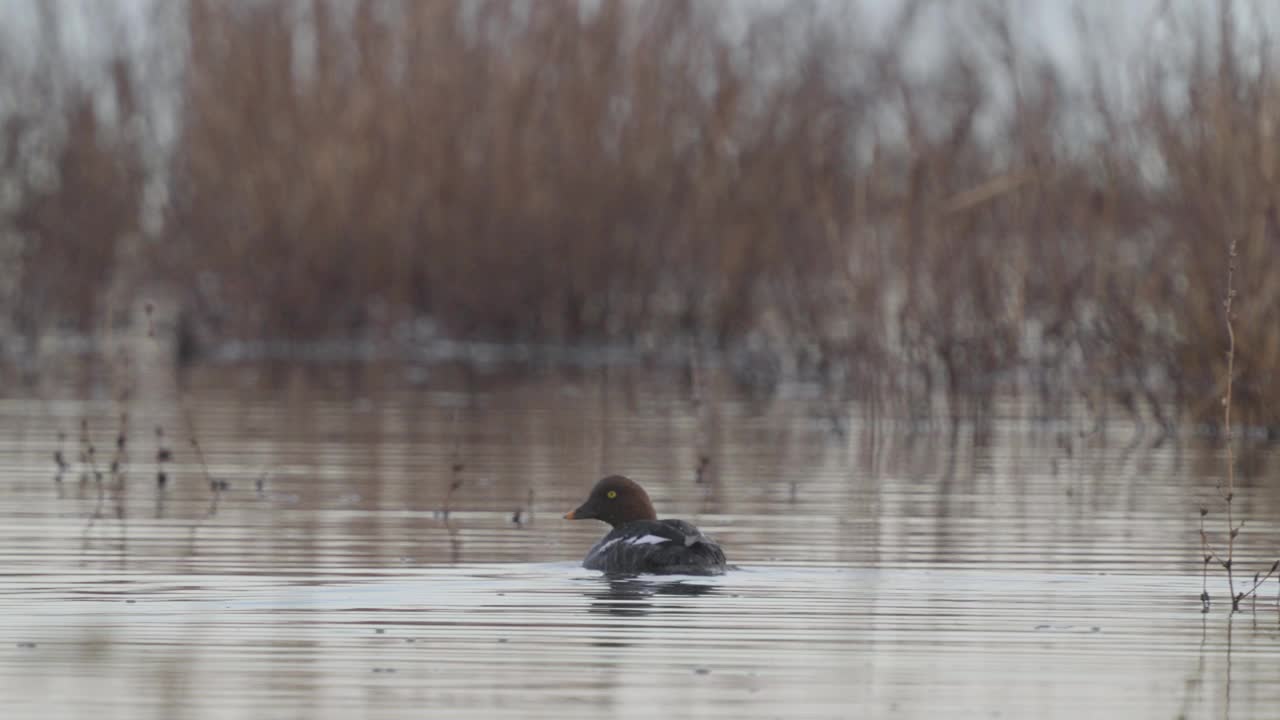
1229,494
59,458
217,487
456,467
87,454
1204,571
704,463
1258,580
163,455
195,444
120,461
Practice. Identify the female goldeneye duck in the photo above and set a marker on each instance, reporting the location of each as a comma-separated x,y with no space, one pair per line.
639,541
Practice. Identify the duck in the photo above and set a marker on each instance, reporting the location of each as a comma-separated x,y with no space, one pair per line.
639,542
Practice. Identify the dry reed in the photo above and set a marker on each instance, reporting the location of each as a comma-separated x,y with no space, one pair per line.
649,173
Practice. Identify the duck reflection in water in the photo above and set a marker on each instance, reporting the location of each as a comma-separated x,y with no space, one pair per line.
638,597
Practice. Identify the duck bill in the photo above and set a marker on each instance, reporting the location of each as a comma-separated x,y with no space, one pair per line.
582,513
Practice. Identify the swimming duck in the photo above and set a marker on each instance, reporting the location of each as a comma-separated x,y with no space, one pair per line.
639,541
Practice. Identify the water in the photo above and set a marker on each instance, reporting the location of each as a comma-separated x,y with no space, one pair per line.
1040,568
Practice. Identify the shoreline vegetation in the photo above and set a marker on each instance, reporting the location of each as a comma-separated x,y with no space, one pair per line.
784,189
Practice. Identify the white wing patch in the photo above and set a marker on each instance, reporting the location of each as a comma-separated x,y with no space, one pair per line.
599,550
648,540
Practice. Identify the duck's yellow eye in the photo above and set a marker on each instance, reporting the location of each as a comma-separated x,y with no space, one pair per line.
612,494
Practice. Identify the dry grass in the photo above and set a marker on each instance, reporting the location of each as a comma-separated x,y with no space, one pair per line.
633,172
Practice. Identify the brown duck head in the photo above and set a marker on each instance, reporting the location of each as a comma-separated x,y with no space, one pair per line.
616,500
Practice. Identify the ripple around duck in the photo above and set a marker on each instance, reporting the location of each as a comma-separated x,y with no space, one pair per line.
880,574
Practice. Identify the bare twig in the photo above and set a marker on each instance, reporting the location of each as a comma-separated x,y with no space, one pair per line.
456,467
1204,570
59,458
1259,580
120,460
1228,495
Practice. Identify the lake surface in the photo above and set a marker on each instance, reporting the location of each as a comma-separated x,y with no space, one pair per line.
888,566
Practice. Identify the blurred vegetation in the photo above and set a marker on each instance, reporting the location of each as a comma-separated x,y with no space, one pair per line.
786,181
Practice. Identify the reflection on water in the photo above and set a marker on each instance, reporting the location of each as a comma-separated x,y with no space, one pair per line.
376,545
633,597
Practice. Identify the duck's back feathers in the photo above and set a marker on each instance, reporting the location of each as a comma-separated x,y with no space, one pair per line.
656,546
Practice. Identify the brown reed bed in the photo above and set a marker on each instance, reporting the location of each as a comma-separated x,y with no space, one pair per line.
73,185
654,173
